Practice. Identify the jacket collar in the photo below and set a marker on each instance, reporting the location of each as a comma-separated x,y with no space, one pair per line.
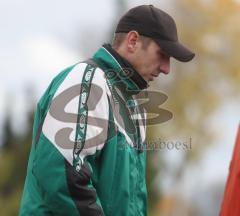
110,61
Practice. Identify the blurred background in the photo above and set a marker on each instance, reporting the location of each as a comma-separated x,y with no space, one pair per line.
40,38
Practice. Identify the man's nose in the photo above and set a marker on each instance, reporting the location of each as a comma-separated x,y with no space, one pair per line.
165,66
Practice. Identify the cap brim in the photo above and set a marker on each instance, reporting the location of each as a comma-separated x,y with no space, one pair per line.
176,50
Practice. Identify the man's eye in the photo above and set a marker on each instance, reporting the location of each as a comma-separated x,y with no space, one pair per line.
161,54
164,55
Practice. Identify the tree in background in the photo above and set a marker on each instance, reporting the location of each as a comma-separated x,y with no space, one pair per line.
13,163
198,89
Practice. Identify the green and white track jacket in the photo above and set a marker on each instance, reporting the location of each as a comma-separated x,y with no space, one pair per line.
87,156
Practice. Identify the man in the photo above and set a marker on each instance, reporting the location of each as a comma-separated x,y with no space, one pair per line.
88,155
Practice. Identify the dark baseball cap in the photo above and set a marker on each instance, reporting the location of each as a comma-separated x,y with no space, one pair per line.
152,22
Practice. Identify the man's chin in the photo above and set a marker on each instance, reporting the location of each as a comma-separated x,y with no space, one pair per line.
150,79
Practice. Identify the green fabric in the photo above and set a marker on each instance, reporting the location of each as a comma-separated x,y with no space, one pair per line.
32,202
48,178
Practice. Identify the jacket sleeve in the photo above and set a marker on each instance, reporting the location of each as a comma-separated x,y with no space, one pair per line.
90,136
77,126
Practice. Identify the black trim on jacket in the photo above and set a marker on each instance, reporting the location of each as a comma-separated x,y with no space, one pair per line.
84,197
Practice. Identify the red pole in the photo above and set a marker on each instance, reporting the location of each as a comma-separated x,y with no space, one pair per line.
231,200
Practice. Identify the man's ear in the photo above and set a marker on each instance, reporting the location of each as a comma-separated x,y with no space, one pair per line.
132,41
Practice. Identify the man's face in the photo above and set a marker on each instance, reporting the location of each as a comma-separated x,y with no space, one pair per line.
151,61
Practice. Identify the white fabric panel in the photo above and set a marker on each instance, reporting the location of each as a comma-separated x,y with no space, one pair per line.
51,125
